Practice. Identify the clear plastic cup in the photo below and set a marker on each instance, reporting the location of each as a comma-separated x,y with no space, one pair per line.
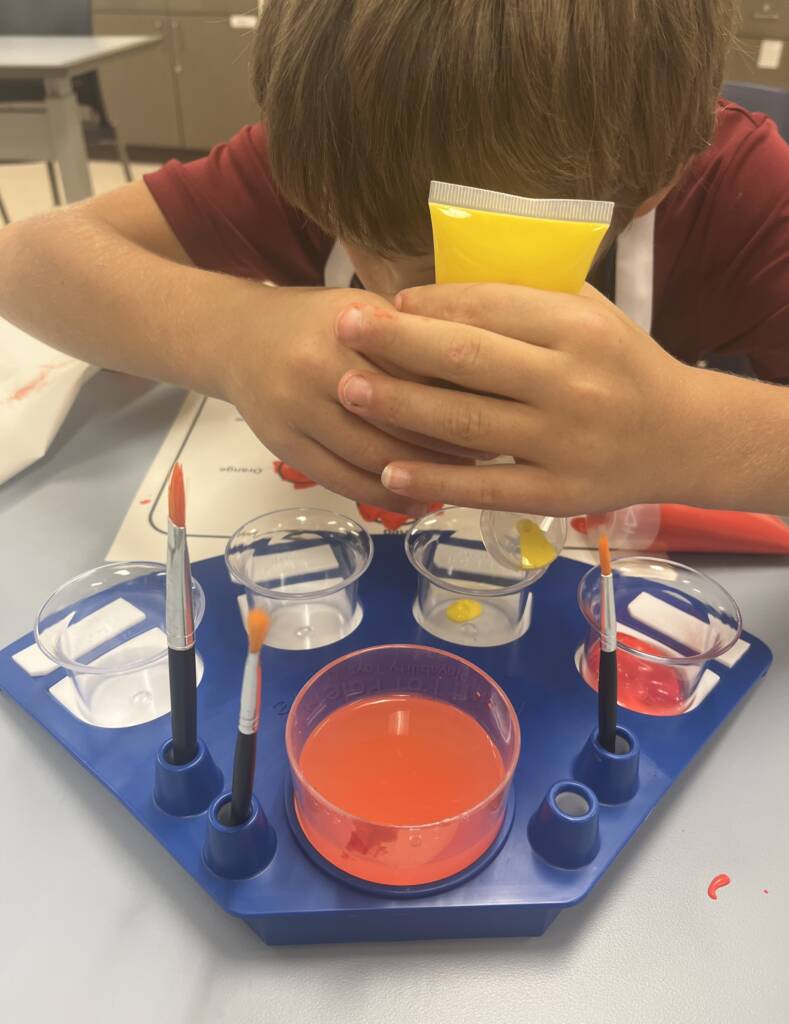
671,621
377,848
465,595
106,627
302,566
501,535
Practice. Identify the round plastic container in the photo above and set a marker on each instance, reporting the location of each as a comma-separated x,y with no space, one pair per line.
106,627
465,595
302,566
502,534
403,764
671,621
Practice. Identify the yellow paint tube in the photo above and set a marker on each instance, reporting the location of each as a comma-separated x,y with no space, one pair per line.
543,243
489,236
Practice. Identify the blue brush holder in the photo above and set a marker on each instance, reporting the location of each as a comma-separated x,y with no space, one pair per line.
565,829
186,789
238,851
613,777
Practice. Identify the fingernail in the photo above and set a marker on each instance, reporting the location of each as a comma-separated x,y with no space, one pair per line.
395,479
349,323
398,301
357,391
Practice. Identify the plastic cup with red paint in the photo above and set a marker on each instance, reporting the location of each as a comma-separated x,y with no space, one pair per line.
672,621
401,758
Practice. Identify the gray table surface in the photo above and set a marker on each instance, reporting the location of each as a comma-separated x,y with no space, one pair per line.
50,56
98,924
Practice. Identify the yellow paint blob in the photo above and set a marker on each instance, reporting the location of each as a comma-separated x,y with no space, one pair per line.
536,550
464,610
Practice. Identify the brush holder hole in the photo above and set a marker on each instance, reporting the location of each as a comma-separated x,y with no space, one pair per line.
622,744
224,815
573,804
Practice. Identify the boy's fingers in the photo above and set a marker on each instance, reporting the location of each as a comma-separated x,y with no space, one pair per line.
520,488
471,421
469,357
362,444
515,311
326,469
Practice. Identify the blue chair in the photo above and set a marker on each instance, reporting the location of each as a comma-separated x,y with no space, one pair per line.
762,99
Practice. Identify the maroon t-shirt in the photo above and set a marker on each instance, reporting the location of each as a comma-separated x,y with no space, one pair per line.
721,281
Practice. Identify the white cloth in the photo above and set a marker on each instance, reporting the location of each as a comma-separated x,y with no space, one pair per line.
38,386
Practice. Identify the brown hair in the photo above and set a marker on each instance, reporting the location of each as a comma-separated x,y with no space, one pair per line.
367,100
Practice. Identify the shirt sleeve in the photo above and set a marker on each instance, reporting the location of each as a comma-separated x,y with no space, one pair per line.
228,216
724,281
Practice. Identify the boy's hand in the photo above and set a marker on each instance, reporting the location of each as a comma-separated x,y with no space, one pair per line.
595,413
287,393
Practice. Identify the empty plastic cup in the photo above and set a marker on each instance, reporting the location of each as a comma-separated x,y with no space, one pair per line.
302,566
106,627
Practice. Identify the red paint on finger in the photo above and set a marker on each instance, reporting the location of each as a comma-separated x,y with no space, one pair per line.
718,882
383,314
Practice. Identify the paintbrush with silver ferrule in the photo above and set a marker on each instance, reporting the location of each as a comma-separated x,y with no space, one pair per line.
179,619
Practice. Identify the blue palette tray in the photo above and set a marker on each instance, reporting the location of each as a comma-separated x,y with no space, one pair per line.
294,900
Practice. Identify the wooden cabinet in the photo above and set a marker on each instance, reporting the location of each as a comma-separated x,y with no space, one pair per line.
212,65
192,90
140,90
761,53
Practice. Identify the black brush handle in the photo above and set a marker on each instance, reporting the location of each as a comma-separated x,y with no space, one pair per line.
243,777
606,701
183,705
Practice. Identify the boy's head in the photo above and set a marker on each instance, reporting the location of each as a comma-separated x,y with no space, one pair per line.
366,101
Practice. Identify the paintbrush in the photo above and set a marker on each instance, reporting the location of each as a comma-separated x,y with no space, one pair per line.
607,679
248,719
179,620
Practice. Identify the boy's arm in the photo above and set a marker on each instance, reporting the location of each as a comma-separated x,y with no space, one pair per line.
107,281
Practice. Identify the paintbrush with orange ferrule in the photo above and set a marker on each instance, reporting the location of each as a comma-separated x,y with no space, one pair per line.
248,720
607,678
179,619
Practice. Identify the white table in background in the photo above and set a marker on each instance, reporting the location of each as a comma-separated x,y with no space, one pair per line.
99,924
55,132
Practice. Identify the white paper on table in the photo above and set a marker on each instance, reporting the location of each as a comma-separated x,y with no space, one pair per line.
38,386
230,478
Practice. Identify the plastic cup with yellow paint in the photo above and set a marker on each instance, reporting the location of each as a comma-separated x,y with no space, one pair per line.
529,543
464,594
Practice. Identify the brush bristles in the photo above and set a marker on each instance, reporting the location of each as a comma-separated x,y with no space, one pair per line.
257,627
176,496
605,555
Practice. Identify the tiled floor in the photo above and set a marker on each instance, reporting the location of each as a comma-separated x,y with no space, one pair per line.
25,187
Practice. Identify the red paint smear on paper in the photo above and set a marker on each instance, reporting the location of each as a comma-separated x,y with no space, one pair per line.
718,882
145,501
292,476
765,891
389,520
27,389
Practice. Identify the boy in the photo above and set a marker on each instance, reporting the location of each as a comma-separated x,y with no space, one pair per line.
364,102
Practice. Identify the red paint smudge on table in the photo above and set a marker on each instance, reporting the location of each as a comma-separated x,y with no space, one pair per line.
765,891
718,882
292,476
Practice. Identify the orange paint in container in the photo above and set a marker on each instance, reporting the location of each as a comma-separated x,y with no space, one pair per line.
402,788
